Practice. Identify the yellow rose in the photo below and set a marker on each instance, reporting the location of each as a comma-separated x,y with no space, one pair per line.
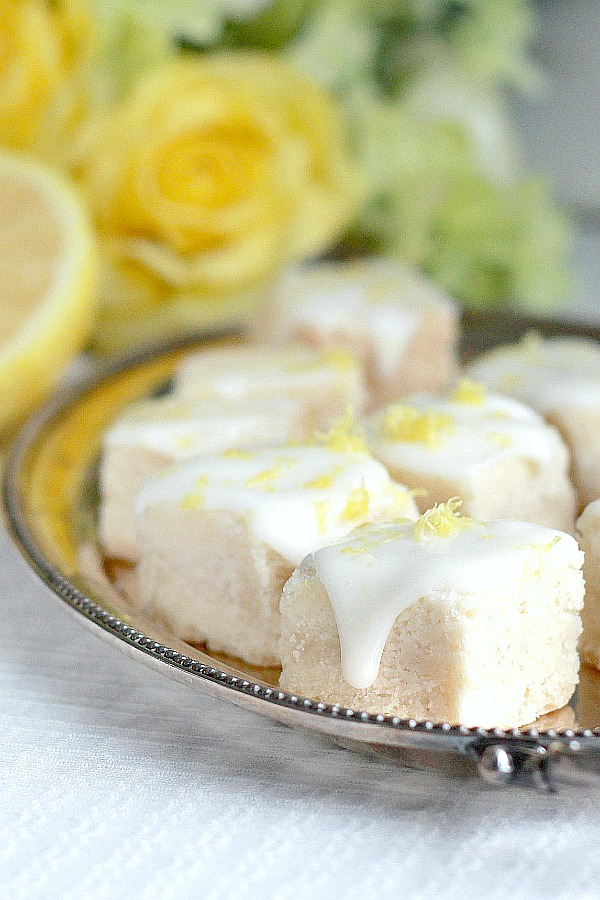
42,45
218,170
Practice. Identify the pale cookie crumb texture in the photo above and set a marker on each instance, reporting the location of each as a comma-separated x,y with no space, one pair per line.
588,527
479,639
401,327
207,577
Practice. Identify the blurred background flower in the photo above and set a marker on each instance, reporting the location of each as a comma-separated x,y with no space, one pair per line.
213,174
216,141
44,50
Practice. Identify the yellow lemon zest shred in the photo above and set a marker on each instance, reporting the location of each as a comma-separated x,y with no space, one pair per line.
264,479
472,393
545,548
370,542
322,514
402,422
344,436
442,520
195,498
323,482
501,439
236,454
185,442
357,507
339,359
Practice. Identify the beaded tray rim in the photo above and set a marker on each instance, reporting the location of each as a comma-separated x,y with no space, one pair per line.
202,671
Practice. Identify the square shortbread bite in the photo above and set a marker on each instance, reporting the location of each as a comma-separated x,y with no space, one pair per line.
219,536
588,527
400,326
447,619
326,382
560,378
498,455
155,433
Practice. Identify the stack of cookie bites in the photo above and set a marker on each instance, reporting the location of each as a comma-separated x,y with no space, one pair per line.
225,399
560,378
335,499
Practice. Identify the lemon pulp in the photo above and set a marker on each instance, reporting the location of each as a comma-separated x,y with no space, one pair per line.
47,282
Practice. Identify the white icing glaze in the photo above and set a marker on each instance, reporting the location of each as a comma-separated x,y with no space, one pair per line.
296,499
544,373
392,328
379,571
382,299
479,435
236,373
180,429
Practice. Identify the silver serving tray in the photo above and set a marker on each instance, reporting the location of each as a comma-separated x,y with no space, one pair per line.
50,501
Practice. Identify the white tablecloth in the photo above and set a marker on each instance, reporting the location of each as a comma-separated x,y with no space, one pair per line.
117,782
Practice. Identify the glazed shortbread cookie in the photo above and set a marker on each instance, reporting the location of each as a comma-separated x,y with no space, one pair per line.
155,433
446,619
325,382
498,455
560,378
588,527
401,327
219,536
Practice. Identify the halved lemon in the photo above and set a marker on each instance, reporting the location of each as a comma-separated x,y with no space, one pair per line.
47,282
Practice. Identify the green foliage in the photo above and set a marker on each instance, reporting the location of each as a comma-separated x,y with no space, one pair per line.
420,85
487,241
271,28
